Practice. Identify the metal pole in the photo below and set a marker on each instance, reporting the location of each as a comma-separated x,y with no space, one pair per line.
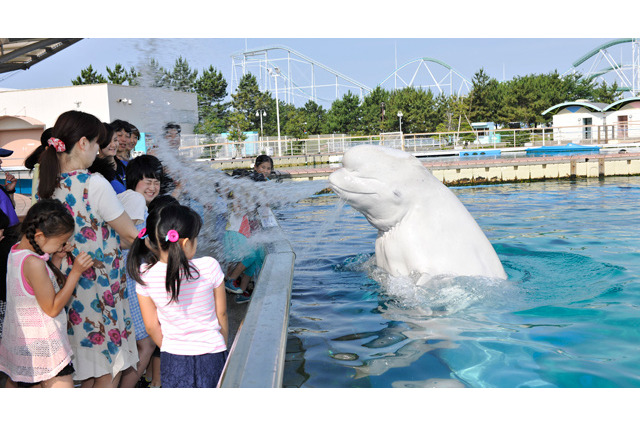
275,73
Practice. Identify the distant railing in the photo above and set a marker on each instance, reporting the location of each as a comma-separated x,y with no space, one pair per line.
203,147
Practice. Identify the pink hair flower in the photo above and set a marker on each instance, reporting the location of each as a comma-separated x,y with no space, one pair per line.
142,234
57,144
172,236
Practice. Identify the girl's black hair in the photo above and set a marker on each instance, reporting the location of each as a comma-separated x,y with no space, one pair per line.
70,127
106,140
143,167
33,158
187,223
106,166
161,201
135,131
263,158
52,218
118,125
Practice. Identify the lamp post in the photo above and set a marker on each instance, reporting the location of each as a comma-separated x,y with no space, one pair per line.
275,72
401,134
261,113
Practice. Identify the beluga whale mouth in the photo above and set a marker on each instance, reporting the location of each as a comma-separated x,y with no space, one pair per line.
422,226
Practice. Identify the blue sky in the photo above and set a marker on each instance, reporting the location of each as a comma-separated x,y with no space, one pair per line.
364,43
367,60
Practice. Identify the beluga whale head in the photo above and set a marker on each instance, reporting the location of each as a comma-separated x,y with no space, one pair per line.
423,227
371,183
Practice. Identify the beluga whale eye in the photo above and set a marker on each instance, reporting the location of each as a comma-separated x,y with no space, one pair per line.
397,193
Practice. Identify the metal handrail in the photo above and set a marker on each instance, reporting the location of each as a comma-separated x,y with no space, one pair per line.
256,358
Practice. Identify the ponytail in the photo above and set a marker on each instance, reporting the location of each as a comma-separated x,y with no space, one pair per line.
139,254
49,173
165,227
70,127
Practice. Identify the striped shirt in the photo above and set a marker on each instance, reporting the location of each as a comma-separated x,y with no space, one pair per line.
190,325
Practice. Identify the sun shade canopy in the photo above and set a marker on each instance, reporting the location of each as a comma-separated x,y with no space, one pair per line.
23,53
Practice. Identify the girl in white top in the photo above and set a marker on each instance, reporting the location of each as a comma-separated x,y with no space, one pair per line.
182,299
35,349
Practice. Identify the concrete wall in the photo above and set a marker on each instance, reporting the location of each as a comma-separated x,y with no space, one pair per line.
149,109
573,122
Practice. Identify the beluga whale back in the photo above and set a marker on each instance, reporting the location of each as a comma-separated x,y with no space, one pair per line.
422,226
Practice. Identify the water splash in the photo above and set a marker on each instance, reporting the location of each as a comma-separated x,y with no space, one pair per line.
202,187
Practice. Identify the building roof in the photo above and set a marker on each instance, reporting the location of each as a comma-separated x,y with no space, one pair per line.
619,104
591,106
22,53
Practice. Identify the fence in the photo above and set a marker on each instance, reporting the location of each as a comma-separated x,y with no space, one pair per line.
203,147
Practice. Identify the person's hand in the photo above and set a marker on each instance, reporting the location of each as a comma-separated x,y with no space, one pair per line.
82,262
11,181
57,257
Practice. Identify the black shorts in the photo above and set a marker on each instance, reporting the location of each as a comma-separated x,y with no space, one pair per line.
64,372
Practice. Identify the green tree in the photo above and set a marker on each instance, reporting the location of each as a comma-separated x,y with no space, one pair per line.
133,77
117,75
344,115
238,125
314,115
215,121
372,107
182,78
153,74
248,100
294,123
450,112
607,94
483,99
88,76
211,88
417,107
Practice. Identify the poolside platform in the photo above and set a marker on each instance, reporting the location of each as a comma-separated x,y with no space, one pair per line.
505,170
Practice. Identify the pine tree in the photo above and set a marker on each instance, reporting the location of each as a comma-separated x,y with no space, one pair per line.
118,75
88,76
182,78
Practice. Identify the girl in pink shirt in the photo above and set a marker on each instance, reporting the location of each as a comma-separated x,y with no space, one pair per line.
35,349
182,301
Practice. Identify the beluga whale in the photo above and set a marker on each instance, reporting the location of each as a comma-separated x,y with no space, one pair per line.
422,226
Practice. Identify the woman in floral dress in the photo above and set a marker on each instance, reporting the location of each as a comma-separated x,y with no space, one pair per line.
100,328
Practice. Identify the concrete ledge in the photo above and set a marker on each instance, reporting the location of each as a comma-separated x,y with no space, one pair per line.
256,358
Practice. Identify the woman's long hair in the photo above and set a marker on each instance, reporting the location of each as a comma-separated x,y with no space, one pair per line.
70,127
172,217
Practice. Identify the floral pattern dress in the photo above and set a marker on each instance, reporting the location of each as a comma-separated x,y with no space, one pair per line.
100,328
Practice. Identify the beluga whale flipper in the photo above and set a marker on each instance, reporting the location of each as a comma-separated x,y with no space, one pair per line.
422,226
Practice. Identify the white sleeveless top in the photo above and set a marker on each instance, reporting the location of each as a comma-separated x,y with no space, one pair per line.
34,346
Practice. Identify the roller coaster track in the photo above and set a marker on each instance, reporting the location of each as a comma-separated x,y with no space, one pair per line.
298,85
627,76
433,79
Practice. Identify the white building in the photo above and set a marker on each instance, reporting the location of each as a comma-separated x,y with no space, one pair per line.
584,121
24,114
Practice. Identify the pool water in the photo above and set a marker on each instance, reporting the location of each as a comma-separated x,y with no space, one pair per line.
568,315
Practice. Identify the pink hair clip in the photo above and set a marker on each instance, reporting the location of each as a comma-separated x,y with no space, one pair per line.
172,236
45,257
57,144
142,234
